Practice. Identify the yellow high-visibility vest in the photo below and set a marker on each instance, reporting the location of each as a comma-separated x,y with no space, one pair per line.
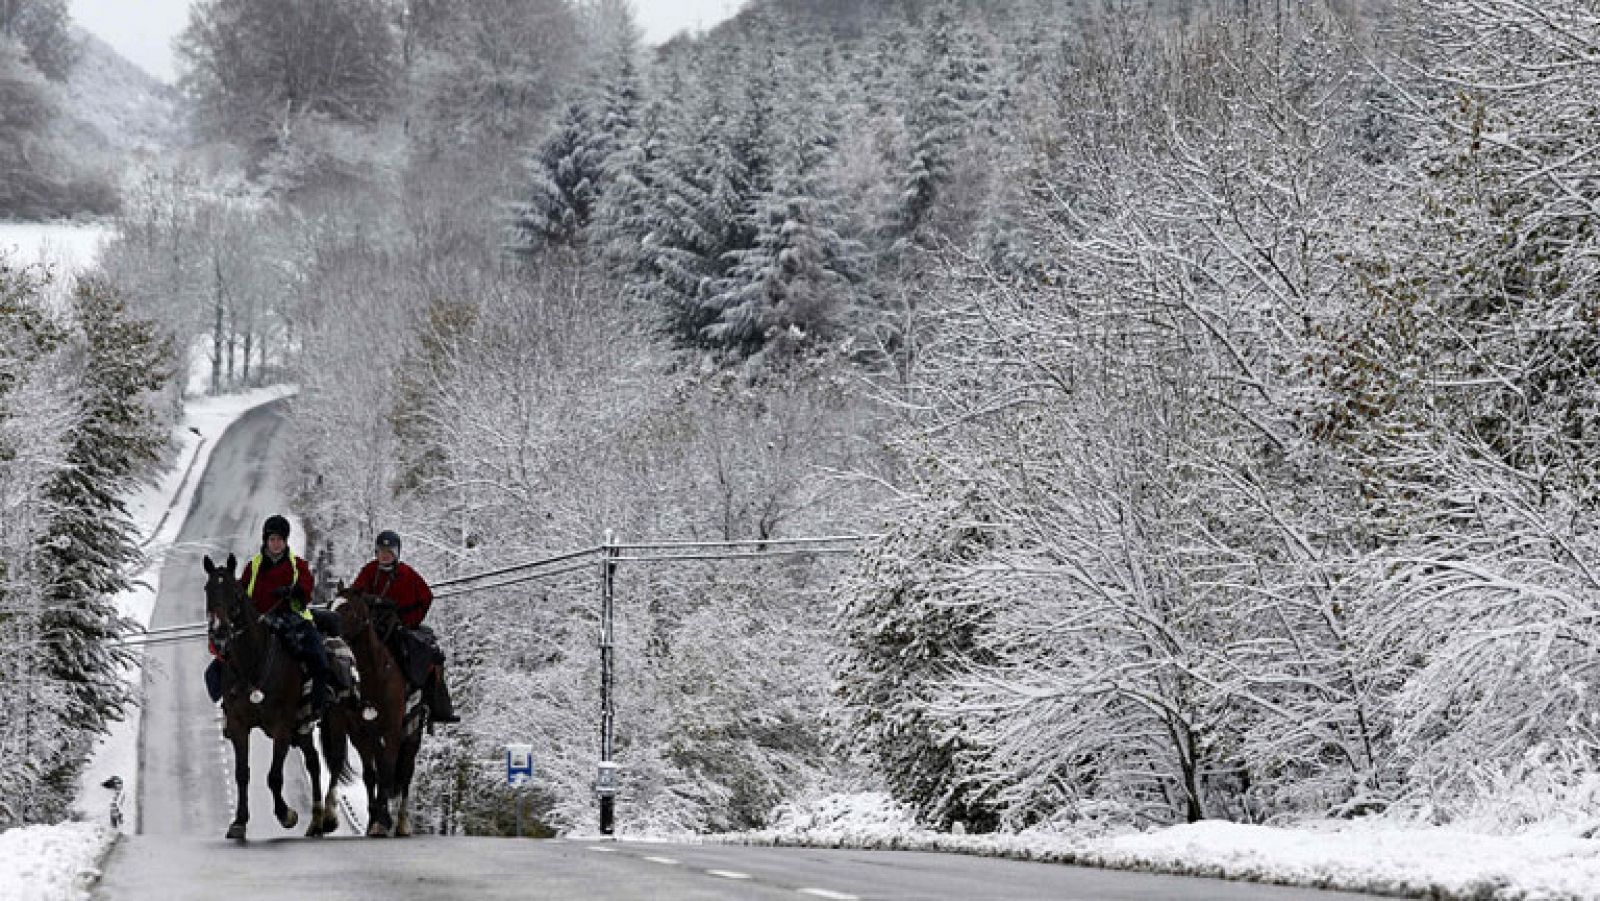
255,571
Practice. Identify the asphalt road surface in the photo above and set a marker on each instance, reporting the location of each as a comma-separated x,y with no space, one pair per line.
483,869
186,794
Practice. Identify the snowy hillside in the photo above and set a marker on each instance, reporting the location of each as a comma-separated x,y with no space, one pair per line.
115,108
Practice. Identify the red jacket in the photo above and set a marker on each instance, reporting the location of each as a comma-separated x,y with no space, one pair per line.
402,585
274,576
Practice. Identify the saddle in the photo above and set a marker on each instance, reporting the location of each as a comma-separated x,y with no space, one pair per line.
418,652
341,666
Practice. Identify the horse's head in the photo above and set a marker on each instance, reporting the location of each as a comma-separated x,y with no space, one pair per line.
225,613
355,611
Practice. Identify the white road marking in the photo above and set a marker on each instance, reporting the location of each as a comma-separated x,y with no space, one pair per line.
728,874
666,860
824,893
603,850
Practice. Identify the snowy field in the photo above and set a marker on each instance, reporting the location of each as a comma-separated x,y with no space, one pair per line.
67,245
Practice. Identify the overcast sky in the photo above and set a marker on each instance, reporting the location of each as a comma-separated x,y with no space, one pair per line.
143,31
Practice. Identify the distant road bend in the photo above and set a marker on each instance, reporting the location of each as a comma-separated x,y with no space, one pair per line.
177,852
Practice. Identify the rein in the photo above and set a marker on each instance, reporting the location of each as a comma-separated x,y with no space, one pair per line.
239,625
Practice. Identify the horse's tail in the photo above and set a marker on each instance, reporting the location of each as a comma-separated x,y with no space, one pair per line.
336,754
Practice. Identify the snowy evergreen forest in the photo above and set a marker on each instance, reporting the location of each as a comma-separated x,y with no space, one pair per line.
1218,379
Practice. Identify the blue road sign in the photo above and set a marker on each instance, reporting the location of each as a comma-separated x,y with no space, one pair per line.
519,765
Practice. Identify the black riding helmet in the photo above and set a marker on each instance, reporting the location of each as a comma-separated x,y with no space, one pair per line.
387,539
275,525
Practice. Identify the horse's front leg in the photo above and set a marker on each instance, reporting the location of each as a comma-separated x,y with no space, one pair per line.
405,768
379,820
287,817
335,753
240,737
308,750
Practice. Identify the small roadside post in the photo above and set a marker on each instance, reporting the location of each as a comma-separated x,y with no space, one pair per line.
605,787
519,771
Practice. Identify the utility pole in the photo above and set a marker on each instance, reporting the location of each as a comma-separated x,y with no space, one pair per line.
605,780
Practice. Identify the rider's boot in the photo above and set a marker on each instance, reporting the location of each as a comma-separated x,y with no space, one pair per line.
440,708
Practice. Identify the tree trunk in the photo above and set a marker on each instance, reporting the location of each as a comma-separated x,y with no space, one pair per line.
216,333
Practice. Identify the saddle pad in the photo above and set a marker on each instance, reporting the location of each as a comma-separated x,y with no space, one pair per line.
346,677
304,721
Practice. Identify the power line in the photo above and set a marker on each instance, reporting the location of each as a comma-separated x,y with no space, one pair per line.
758,542
530,577
744,556
517,567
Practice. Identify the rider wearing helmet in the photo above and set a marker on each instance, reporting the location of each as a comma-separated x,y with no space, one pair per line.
387,577
279,584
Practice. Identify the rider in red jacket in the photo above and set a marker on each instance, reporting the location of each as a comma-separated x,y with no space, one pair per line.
388,578
276,574
279,584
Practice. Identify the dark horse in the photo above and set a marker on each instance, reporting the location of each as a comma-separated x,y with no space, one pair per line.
263,692
387,742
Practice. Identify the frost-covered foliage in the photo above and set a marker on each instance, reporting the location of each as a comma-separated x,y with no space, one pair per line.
1284,418
76,432
252,67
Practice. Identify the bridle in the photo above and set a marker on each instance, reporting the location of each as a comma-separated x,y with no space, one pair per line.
223,630
369,623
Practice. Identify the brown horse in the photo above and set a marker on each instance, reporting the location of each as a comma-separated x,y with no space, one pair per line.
388,742
263,692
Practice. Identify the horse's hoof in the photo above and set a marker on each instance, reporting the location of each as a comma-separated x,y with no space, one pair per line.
402,829
236,831
330,823
377,830
290,818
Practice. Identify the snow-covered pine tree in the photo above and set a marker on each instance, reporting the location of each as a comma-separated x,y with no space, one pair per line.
576,163
905,628
705,185
720,198
944,93
36,415
800,274
566,175
622,218
123,362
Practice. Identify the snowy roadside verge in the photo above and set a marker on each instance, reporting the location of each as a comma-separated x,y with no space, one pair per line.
52,863
1365,856
61,862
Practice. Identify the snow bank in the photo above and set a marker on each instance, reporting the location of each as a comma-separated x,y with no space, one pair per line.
51,863
1368,856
